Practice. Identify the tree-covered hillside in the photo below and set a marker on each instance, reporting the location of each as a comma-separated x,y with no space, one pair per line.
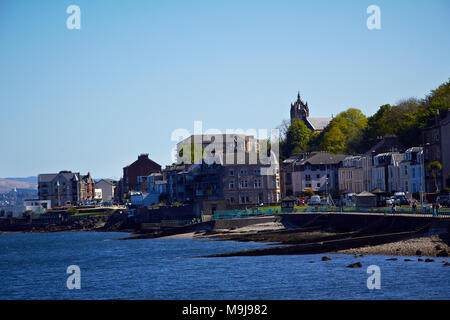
351,132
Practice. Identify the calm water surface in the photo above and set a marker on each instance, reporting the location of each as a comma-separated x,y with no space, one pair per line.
33,266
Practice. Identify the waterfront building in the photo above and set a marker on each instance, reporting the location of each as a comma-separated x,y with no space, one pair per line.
351,175
155,187
107,187
436,143
143,166
87,189
317,171
175,177
251,184
37,205
386,171
214,148
411,171
62,189
290,179
383,145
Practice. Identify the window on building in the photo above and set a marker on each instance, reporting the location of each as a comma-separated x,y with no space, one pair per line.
436,135
244,184
257,183
318,185
245,199
260,198
231,173
244,172
231,185
318,176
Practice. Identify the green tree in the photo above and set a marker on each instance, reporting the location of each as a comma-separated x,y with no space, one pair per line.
296,140
434,167
72,210
344,133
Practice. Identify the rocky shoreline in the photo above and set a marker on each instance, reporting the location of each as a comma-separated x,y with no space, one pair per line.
429,246
282,239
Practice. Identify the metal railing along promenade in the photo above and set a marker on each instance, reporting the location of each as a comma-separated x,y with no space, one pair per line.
257,212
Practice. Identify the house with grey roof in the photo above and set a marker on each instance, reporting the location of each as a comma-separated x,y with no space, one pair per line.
62,189
318,171
107,186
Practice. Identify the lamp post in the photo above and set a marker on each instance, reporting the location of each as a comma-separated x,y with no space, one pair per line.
422,175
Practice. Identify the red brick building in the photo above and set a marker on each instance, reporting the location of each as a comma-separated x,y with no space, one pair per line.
143,166
87,188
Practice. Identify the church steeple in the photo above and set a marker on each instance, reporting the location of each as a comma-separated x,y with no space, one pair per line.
299,110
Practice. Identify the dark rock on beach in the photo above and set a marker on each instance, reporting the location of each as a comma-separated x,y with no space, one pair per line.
325,258
355,265
442,253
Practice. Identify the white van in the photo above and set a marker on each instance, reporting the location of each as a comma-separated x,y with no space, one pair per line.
314,201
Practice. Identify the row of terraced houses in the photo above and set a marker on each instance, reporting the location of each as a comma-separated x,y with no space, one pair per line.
229,176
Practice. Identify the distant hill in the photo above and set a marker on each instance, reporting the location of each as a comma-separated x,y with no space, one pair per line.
33,180
8,184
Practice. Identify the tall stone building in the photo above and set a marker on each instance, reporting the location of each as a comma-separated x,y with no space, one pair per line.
62,189
436,143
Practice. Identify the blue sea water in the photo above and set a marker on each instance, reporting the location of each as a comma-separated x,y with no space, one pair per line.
33,266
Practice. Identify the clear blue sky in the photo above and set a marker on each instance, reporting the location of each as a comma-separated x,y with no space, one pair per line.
93,99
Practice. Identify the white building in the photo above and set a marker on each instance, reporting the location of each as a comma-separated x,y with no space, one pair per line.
318,172
386,171
98,194
351,175
411,171
156,186
36,205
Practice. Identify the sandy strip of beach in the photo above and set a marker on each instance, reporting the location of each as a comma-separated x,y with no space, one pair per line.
428,246
188,235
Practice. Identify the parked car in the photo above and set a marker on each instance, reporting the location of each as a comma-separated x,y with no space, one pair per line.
301,202
400,199
443,200
314,201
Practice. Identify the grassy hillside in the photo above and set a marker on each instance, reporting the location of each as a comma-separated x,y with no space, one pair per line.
7,185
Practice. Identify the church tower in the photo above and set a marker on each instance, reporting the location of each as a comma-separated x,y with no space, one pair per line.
299,110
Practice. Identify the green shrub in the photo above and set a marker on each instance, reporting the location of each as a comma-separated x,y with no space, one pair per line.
72,210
